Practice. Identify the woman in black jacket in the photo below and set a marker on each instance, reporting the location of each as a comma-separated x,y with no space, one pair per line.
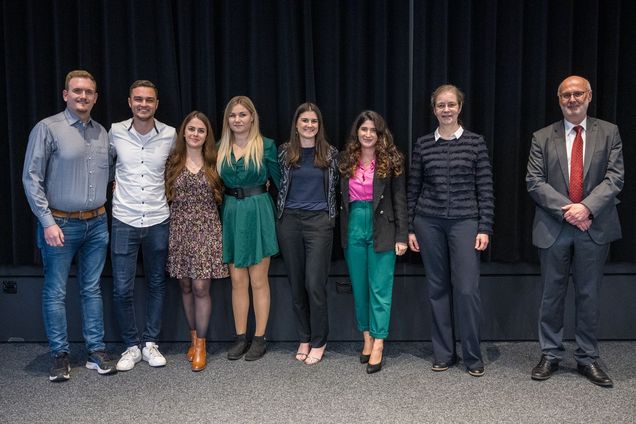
373,226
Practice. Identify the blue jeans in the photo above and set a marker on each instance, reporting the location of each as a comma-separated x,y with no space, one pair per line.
125,244
87,240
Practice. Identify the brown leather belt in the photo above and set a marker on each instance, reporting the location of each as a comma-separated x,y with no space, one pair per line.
80,214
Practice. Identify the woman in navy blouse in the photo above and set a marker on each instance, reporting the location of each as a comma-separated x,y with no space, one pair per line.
306,215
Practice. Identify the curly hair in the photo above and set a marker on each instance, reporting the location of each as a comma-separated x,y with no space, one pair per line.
177,158
388,159
322,144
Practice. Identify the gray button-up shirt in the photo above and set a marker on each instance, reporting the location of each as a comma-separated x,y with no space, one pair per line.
67,166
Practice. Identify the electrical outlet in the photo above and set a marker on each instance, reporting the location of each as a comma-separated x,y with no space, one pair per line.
10,286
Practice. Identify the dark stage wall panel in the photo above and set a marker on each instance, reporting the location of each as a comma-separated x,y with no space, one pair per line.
507,56
510,303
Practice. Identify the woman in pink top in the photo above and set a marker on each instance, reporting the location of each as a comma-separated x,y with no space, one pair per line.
373,226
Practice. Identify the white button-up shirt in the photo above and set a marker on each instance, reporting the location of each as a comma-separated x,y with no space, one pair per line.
139,199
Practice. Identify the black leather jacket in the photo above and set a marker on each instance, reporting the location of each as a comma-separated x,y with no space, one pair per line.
331,180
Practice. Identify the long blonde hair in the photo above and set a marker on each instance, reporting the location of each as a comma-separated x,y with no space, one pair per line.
254,148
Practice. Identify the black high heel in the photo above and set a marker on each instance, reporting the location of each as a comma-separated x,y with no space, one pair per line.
364,359
373,368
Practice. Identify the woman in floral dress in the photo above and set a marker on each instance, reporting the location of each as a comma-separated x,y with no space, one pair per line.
195,252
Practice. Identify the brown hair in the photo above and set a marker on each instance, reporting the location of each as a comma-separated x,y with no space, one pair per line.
447,87
176,161
388,160
322,145
143,83
79,73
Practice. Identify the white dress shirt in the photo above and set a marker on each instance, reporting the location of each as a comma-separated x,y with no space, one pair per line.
139,199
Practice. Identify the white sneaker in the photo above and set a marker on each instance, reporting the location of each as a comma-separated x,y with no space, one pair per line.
129,358
152,355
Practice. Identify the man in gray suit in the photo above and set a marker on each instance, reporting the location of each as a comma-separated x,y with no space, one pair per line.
575,172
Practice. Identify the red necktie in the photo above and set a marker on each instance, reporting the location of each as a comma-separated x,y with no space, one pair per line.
576,167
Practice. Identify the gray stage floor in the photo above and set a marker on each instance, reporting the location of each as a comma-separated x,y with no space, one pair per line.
279,389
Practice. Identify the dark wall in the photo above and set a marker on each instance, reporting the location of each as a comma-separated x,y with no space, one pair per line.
508,57
510,303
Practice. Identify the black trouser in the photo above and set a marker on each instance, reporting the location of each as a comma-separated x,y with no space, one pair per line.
305,239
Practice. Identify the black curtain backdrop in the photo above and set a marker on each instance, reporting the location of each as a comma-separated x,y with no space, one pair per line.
508,58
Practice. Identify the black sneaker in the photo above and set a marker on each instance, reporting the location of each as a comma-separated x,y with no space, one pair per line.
238,349
61,368
100,361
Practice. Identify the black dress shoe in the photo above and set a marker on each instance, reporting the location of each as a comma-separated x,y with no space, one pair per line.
443,366
595,374
476,372
544,368
372,368
364,358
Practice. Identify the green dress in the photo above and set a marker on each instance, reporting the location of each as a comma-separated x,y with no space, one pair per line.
249,231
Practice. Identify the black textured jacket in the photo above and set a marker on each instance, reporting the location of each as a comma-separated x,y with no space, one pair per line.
451,179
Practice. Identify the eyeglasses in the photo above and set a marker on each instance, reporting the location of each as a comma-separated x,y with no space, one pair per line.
576,94
450,105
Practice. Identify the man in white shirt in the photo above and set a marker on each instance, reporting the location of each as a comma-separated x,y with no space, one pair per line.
140,220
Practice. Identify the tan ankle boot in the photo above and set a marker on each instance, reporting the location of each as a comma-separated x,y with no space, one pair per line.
198,361
193,338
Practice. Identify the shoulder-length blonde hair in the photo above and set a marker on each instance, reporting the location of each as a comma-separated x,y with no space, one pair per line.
254,148
388,159
177,159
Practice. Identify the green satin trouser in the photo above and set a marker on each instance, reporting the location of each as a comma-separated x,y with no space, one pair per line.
371,272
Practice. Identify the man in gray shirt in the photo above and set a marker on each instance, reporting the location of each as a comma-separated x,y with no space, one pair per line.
66,172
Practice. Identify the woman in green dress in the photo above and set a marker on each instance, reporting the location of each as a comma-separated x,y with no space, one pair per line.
245,162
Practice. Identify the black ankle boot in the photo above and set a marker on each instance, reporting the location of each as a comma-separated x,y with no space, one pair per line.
238,349
257,349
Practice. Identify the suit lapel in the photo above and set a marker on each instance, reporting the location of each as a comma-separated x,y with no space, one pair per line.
561,150
378,189
591,143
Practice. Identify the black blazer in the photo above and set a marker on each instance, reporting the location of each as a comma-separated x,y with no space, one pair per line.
390,218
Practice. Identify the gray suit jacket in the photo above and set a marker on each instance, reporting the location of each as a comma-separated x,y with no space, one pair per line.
547,181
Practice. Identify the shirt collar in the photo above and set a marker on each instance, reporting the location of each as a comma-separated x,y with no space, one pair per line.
456,134
569,125
370,168
130,127
73,119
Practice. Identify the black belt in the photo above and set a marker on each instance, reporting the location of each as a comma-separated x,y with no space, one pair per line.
242,192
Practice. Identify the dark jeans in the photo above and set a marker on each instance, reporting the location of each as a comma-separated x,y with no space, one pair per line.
125,243
305,239
447,248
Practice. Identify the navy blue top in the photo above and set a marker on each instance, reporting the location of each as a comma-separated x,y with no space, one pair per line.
307,189
451,179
